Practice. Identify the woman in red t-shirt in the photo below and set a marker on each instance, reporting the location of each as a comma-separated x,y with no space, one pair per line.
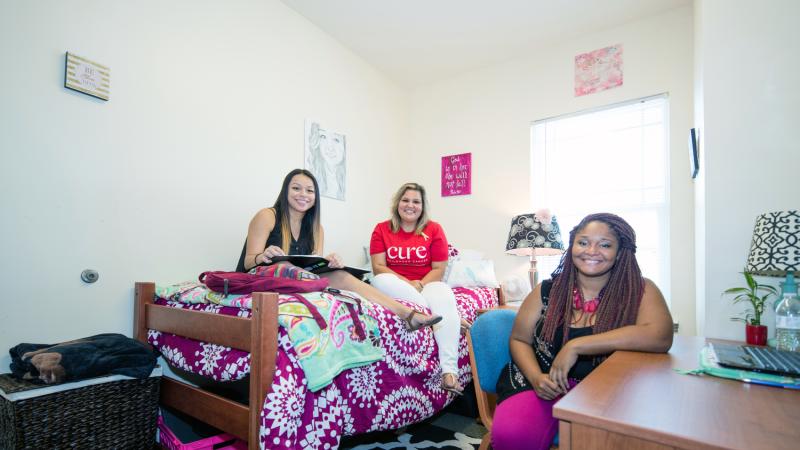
409,255
292,226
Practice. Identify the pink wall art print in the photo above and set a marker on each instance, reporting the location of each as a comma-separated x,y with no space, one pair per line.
598,70
457,174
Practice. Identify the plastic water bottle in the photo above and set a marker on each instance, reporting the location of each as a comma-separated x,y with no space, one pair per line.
787,320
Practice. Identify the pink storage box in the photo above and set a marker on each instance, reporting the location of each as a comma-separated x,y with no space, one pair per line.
223,441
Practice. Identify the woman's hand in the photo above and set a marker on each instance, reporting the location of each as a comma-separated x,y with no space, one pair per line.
563,362
545,388
271,252
416,284
334,261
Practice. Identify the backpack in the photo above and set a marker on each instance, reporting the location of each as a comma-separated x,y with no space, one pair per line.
284,279
348,300
281,278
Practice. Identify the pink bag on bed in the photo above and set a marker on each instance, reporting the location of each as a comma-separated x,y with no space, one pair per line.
276,278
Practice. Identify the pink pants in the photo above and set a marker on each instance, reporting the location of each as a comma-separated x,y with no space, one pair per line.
525,422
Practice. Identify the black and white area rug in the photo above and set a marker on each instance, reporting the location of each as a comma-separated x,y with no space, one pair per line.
447,432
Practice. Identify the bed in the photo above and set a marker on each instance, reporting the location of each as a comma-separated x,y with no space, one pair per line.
399,389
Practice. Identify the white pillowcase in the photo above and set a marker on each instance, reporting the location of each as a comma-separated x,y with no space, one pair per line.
461,255
468,255
472,273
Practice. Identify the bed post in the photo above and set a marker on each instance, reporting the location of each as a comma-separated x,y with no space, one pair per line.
144,293
263,355
501,296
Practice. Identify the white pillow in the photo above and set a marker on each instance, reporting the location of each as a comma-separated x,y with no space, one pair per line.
472,273
468,255
460,255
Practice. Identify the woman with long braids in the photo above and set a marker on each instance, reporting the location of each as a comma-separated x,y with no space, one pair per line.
595,303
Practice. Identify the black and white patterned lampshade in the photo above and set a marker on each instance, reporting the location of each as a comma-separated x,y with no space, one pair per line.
775,250
531,235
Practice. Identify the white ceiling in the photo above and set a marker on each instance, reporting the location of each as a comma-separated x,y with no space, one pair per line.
416,42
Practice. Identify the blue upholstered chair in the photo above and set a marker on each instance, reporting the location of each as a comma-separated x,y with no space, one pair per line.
488,353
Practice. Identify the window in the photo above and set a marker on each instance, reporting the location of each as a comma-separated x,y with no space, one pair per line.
611,159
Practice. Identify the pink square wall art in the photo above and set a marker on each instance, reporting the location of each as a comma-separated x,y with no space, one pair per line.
457,174
598,70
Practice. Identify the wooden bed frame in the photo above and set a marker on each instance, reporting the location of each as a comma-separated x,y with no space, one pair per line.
258,335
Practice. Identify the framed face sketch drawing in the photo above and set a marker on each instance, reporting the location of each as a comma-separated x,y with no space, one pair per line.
326,158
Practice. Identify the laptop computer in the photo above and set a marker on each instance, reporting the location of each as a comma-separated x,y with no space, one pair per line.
757,359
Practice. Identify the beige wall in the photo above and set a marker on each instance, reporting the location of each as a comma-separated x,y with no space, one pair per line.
747,112
207,109
206,116
488,112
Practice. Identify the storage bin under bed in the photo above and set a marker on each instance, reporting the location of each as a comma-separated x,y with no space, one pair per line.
115,411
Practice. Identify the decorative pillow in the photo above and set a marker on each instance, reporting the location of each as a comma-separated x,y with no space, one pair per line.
472,273
452,256
452,252
455,254
282,278
469,255
459,255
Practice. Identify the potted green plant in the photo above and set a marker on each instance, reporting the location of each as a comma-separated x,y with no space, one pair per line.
755,332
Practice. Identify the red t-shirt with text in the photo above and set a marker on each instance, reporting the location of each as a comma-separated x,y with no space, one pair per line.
409,254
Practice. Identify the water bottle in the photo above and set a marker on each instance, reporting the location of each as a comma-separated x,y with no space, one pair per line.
787,319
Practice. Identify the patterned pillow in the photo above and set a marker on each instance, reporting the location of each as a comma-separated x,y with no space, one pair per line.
452,256
472,273
289,271
452,252
463,255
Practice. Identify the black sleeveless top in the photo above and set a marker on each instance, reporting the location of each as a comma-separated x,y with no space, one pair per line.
512,379
300,246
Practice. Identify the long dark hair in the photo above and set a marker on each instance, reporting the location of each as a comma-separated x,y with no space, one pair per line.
311,219
621,294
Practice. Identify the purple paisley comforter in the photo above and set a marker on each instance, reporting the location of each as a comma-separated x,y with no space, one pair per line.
401,389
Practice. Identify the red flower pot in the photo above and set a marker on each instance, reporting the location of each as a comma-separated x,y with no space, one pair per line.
756,334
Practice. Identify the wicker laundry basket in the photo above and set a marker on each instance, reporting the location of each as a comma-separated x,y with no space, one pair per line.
113,412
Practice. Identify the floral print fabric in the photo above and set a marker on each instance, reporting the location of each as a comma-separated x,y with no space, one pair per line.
337,342
402,388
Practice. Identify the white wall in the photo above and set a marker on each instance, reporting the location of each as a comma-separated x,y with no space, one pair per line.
748,115
699,184
206,116
488,112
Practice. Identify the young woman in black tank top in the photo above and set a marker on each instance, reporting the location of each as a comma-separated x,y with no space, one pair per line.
292,226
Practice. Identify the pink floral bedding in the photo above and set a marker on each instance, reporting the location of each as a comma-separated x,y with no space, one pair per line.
401,389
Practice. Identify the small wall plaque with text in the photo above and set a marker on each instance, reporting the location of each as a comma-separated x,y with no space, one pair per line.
87,76
457,174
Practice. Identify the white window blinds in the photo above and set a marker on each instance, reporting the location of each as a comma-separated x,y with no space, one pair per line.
612,159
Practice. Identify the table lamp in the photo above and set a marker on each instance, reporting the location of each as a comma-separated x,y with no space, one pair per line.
534,235
775,250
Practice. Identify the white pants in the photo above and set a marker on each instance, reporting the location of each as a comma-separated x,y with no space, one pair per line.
440,299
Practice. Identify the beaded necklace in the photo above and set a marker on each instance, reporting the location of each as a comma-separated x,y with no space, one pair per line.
586,306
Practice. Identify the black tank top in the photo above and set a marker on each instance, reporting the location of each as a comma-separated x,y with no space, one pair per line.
545,353
511,379
300,246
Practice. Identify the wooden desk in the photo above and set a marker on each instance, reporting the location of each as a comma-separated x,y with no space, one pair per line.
636,401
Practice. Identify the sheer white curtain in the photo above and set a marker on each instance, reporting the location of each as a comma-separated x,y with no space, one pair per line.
611,159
